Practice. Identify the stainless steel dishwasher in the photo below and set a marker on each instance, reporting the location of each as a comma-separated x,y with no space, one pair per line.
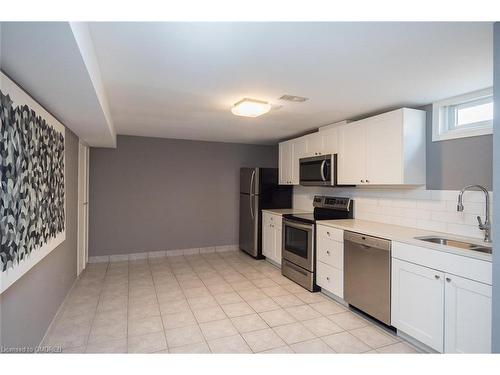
367,274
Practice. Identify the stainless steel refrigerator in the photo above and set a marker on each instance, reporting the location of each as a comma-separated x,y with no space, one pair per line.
259,190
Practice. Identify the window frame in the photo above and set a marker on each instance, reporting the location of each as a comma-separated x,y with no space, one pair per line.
441,130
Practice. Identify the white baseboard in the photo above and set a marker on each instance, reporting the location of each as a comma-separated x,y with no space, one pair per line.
162,253
58,312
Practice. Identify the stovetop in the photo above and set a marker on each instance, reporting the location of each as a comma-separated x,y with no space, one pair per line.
303,218
326,208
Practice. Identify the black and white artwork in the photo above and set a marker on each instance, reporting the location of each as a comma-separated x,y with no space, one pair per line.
32,207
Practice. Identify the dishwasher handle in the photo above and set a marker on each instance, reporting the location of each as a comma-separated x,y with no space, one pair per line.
368,241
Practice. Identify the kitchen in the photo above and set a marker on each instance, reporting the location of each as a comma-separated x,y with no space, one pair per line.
339,201
427,284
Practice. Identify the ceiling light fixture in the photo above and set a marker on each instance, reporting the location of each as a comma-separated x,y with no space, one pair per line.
250,108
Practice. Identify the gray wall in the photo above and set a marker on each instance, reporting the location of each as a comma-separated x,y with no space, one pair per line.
455,163
153,194
496,186
29,305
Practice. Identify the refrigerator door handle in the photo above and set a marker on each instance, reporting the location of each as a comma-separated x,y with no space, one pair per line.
251,206
252,190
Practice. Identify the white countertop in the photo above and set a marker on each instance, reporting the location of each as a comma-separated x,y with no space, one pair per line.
407,235
285,211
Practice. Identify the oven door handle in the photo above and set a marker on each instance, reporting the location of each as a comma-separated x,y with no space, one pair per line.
294,224
322,170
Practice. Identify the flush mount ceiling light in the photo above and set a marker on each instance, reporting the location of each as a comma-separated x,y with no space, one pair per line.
250,108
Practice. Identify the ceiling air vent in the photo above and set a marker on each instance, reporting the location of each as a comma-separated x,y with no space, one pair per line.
293,98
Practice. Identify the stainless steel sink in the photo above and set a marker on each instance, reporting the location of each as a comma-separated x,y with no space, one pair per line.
455,243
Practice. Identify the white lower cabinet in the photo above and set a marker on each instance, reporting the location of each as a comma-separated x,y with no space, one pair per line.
467,316
271,236
449,313
330,259
330,279
417,302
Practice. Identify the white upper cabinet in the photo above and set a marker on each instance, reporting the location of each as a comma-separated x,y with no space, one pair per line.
314,144
388,149
285,163
299,151
330,141
321,143
290,153
351,157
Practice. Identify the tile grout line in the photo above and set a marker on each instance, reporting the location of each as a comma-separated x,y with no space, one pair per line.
158,301
97,306
191,310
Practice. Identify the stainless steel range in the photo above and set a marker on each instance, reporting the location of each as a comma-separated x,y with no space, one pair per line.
299,240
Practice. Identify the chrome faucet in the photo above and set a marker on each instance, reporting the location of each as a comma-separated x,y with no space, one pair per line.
486,226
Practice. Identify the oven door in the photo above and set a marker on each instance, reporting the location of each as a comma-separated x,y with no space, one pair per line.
298,244
317,171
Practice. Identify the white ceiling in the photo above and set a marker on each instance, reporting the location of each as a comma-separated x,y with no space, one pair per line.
51,61
179,80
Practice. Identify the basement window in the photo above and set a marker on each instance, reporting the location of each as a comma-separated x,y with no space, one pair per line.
463,116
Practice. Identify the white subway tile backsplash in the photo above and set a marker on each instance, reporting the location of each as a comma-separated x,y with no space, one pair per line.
432,225
401,203
417,213
448,217
434,210
465,230
431,205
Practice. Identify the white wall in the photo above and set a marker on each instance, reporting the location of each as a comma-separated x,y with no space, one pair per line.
434,210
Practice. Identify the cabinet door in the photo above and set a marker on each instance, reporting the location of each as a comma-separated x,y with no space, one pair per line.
330,141
277,238
352,154
467,316
417,302
267,236
299,150
314,144
285,163
384,152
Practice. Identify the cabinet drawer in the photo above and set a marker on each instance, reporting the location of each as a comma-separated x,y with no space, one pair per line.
331,252
330,279
330,233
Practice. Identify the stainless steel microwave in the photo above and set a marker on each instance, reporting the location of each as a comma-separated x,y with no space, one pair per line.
318,170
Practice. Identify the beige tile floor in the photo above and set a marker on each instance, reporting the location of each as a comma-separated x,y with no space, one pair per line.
207,303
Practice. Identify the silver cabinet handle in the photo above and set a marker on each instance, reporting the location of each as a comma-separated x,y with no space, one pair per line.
328,278
367,181
437,277
328,252
362,181
448,279
327,233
